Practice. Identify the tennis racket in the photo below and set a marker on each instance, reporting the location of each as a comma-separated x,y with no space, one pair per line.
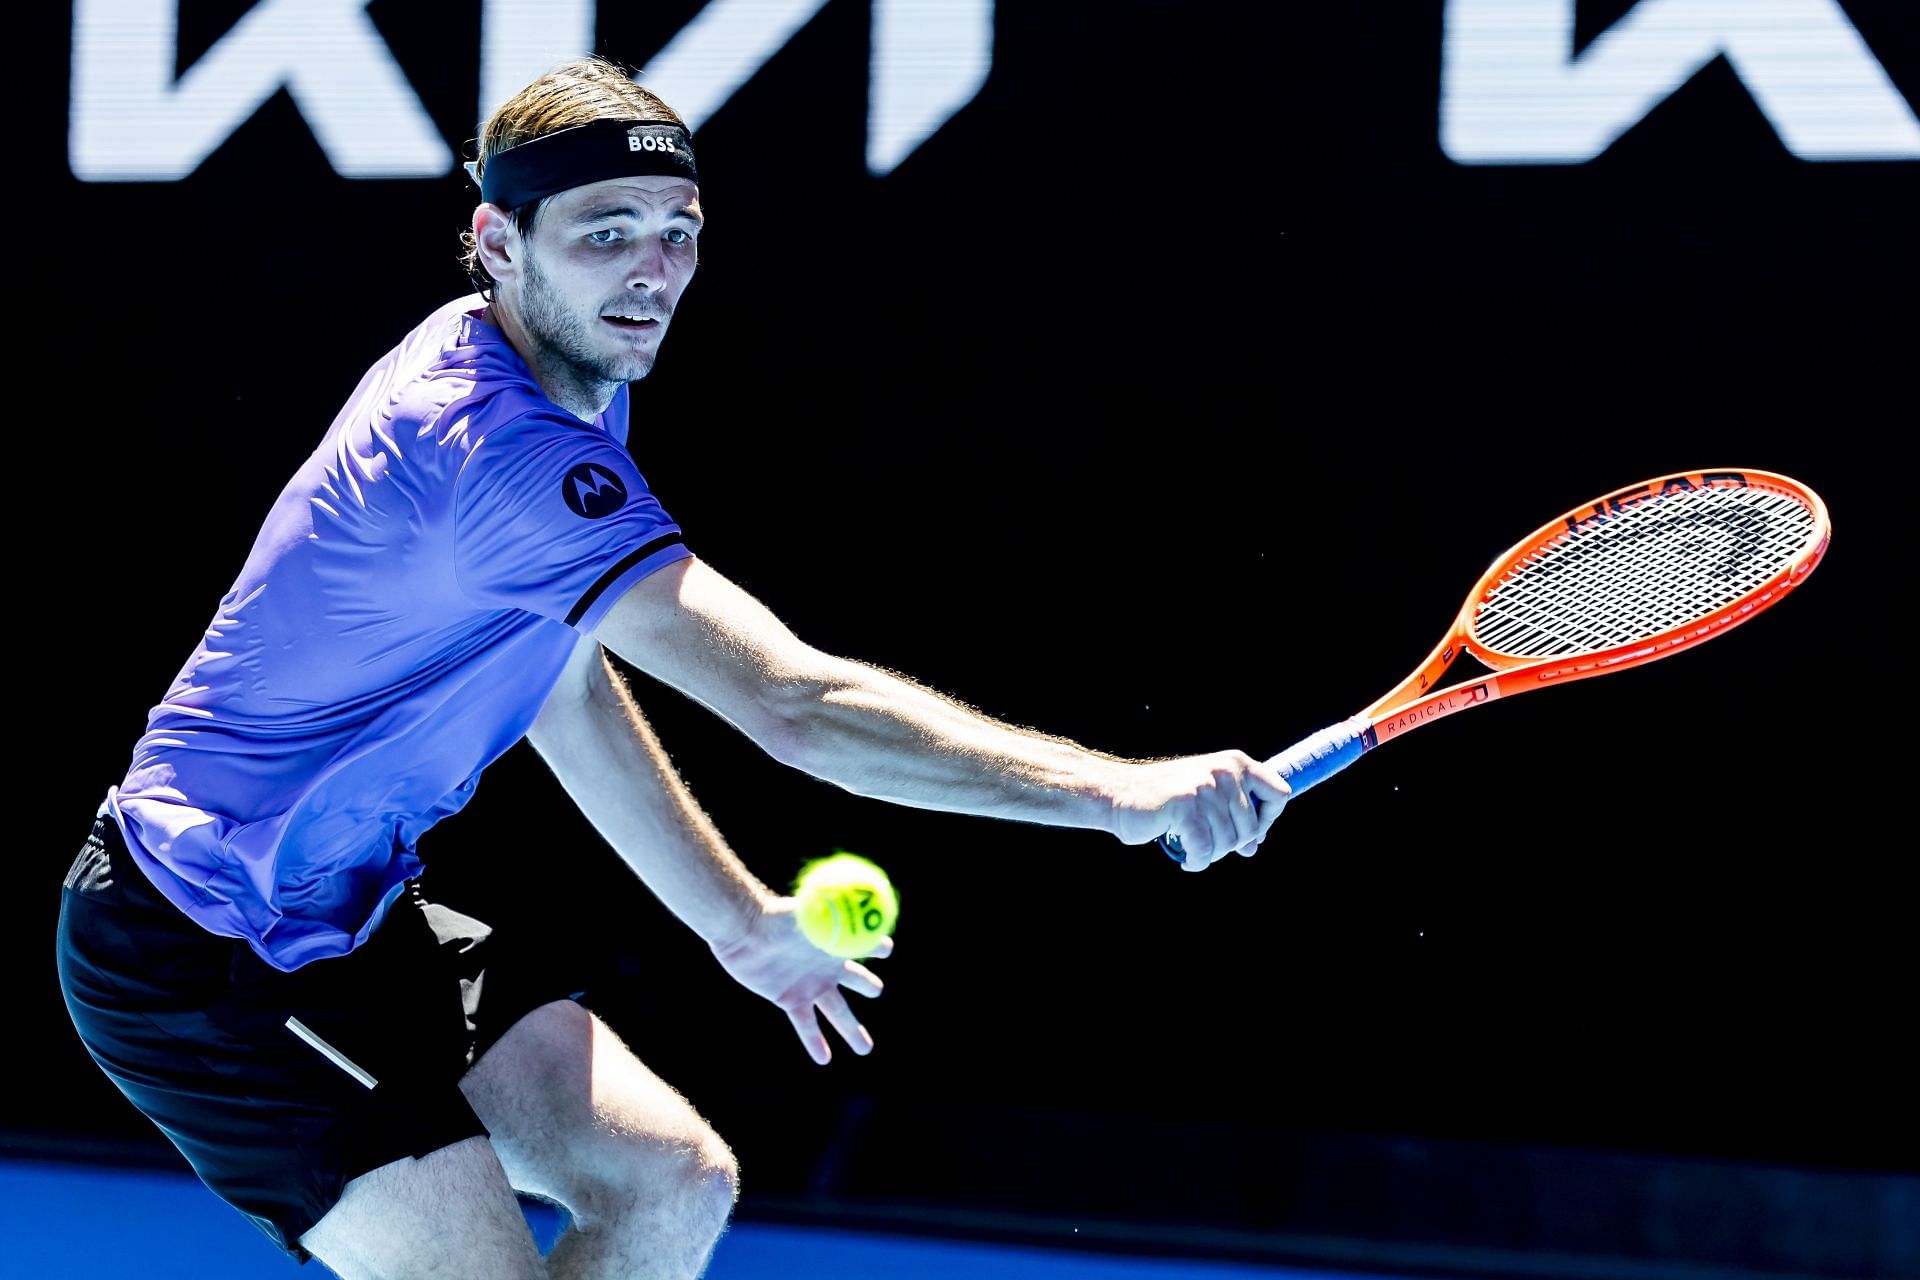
1635,576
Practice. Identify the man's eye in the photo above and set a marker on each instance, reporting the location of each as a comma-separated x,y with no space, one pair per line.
678,235
606,235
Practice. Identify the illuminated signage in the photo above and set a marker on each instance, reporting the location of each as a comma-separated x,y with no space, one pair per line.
1512,91
132,120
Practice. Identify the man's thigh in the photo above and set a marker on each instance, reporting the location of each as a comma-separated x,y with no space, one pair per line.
450,1213
573,1113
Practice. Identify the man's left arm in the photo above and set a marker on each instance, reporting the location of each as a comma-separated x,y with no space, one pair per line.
592,735
605,754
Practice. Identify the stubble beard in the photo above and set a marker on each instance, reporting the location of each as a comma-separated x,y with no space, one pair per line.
563,336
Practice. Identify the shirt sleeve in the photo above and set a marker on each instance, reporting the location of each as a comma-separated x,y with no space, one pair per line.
554,518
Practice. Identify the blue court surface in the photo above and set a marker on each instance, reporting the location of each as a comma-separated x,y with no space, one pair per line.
89,1223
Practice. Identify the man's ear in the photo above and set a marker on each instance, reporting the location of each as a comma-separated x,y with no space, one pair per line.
498,241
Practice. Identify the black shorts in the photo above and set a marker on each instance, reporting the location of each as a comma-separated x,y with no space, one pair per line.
280,1087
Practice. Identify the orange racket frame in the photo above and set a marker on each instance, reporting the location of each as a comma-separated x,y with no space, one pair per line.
1409,705
1415,701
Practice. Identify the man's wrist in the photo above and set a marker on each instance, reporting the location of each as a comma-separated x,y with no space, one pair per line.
1111,783
735,926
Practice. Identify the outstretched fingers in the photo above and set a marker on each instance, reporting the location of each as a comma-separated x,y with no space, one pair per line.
806,1024
834,1005
807,1027
805,1013
860,980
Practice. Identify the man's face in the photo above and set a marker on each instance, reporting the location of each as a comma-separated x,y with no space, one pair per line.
603,271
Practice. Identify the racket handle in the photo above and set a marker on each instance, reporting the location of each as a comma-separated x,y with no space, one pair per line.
1308,763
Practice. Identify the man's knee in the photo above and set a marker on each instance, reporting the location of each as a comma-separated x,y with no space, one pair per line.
693,1183
579,1118
719,1179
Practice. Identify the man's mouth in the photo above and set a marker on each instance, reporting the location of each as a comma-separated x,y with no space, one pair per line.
633,322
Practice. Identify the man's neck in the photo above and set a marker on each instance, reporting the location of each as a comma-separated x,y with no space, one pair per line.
559,381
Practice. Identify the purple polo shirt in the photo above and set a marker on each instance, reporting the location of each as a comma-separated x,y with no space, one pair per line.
406,609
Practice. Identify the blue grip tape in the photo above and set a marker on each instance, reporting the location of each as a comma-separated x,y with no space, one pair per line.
1308,763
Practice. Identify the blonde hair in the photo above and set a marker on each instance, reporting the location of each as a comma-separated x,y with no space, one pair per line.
574,93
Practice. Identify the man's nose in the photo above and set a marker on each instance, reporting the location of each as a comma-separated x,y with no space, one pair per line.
647,268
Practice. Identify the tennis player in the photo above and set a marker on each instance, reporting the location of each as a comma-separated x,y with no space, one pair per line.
247,944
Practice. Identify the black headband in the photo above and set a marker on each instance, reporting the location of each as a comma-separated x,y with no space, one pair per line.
586,153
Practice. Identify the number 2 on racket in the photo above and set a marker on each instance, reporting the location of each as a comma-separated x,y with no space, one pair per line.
1628,578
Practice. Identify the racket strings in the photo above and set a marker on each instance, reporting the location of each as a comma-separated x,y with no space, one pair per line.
1649,568
1635,581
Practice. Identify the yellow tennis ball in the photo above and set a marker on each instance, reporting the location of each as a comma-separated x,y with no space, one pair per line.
847,904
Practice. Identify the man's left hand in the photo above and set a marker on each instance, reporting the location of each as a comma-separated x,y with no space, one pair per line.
775,960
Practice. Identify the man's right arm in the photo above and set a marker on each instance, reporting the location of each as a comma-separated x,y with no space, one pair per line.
882,736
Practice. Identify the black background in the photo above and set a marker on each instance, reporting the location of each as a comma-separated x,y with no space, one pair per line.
1169,398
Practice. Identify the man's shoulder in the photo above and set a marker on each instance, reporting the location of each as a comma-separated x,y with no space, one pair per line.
516,432
455,342
458,377
459,380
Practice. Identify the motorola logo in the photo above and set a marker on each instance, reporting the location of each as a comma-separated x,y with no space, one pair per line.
593,491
